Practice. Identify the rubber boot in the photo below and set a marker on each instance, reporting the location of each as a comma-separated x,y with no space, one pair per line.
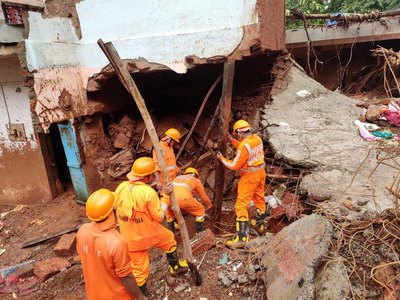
176,266
199,226
242,235
143,288
260,227
171,226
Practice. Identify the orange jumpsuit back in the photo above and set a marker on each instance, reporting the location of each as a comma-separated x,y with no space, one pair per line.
170,161
139,215
249,159
105,259
185,186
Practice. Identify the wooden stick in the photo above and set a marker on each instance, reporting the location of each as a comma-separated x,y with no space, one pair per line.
200,158
224,112
130,85
211,89
296,14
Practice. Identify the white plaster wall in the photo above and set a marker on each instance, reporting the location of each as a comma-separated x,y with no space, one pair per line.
17,103
159,30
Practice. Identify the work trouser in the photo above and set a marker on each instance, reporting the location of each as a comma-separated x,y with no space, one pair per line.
140,259
250,188
188,204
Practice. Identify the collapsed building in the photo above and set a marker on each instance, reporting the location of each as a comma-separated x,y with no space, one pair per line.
87,130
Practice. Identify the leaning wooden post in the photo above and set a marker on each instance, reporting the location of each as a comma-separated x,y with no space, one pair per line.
224,113
130,85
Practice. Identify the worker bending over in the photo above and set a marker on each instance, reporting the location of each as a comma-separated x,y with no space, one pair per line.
171,136
139,215
249,159
185,187
106,264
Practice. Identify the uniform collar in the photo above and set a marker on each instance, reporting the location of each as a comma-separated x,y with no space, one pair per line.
108,224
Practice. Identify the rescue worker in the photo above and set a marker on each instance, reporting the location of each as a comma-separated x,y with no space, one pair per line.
104,254
139,215
185,187
249,159
171,136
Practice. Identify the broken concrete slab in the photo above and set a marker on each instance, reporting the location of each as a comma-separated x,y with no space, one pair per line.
331,282
316,130
66,245
46,268
292,255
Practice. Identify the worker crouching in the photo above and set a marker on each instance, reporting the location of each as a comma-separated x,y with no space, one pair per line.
106,264
185,187
249,159
139,215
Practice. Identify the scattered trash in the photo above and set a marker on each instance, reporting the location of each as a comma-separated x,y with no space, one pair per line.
235,268
4,272
2,251
17,208
36,222
283,124
272,201
224,259
303,93
348,204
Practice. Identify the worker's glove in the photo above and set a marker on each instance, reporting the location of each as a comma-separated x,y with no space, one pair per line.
219,155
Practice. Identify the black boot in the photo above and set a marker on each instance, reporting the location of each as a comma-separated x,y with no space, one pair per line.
176,266
199,226
260,227
242,235
171,226
143,288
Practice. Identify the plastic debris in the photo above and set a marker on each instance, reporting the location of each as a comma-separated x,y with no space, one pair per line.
17,208
224,259
303,93
2,251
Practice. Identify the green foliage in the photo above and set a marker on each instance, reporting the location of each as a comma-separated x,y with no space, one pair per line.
333,6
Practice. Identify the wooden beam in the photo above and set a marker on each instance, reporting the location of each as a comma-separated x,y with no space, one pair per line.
224,113
130,85
211,89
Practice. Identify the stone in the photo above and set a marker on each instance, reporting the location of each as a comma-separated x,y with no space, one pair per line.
226,281
46,268
331,282
233,276
25,271
242,279
292,255
66,245
362,202
253,276
121,141
181,288
202,242
325,138
259,241
373,113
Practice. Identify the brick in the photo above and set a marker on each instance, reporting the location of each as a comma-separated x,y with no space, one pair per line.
66,245
202,242
25,271
46,268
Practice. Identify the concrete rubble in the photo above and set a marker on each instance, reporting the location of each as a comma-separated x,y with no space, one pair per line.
292,255
314,129
66,245
46,268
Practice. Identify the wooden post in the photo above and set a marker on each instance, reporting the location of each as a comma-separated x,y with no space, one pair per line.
224,112
130,85
211,89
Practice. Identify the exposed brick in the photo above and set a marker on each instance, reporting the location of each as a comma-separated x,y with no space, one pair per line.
46,268
202,242
66,245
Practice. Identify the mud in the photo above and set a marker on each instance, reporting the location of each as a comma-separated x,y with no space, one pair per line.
23,177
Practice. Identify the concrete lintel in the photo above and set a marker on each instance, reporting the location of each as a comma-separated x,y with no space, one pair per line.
11,34
386,29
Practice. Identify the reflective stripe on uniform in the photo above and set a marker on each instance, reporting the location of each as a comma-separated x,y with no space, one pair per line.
233,163
171,167
253,168
182,184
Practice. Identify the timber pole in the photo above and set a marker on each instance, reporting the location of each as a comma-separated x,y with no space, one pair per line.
224,116
130,85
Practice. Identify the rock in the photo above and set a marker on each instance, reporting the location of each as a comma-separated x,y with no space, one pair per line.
180,288
120,163
291,256
66,245
46,268
373,113
362,202
251,269
331,283
259,241
242,279
327,140
121,141
226,281
25,271
253,276
349,205
233,276
221,275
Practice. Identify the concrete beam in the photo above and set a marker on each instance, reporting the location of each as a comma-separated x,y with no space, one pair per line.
386,29
11,34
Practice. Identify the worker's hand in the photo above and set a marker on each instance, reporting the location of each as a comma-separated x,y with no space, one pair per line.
219,155
167,188
230,137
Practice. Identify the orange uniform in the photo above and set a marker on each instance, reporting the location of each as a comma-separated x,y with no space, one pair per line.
185,186
249,159
170,161
139,215
105,259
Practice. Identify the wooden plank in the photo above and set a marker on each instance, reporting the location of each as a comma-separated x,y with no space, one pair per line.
210,90
128,82
225,113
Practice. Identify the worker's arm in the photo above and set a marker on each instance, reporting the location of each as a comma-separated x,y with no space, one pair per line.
154,206
241,157
202,193
235,143
131,286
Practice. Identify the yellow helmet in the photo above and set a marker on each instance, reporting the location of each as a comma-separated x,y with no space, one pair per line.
99,205
141,167
241,124
173,134
192,170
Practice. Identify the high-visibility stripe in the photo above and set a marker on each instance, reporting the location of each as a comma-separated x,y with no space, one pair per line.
253,168
171,167
182,184
164,206
233,163
200,219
